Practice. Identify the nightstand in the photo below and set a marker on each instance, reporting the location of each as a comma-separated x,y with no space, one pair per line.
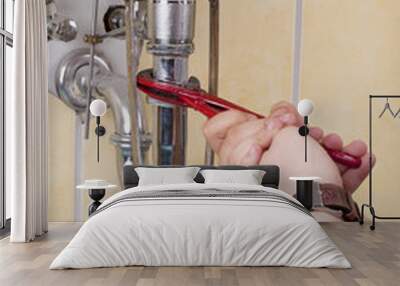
97,190
304,190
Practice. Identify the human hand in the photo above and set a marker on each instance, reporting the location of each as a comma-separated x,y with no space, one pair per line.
240,138
351,178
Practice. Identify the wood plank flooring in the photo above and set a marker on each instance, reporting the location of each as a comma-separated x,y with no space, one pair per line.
375,257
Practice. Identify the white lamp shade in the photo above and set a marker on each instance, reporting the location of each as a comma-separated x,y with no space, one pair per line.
98,107
305,107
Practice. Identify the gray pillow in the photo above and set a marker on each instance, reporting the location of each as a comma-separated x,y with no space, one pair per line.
163,176
247,177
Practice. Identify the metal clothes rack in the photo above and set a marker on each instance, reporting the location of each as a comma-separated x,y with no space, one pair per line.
370,202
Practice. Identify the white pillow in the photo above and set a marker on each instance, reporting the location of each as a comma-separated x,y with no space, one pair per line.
163,176
248,177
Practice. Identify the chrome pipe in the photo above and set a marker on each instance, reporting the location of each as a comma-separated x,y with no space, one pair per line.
134,20
95,8
213,64
72,85
113,88
170,34
170,132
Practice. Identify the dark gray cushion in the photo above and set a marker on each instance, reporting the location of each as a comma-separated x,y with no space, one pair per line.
270,179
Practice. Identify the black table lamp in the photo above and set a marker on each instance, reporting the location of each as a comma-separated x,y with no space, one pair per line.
98,108
305,108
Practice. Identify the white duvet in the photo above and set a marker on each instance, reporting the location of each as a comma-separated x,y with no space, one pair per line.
200,231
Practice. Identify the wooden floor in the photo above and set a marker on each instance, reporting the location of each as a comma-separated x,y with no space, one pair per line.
375,257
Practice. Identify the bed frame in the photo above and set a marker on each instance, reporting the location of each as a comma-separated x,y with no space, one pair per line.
271,177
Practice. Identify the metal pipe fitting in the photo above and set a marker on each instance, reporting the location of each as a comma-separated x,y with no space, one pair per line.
72,74
114,18
171,27
59,27
170,33
114,88
72,85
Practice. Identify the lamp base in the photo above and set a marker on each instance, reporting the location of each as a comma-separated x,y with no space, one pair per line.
96,195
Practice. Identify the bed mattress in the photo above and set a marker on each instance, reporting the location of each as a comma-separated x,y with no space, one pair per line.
201,225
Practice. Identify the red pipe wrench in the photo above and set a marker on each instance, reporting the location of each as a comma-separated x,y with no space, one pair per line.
211,105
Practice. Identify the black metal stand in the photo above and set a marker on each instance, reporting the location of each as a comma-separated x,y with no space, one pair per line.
96,195
304,192
370,203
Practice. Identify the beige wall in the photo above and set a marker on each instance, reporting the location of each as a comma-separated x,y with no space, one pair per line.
350,49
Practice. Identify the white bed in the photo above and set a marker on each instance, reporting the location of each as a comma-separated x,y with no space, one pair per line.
249,225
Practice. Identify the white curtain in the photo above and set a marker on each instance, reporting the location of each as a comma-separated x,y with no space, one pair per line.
26,123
